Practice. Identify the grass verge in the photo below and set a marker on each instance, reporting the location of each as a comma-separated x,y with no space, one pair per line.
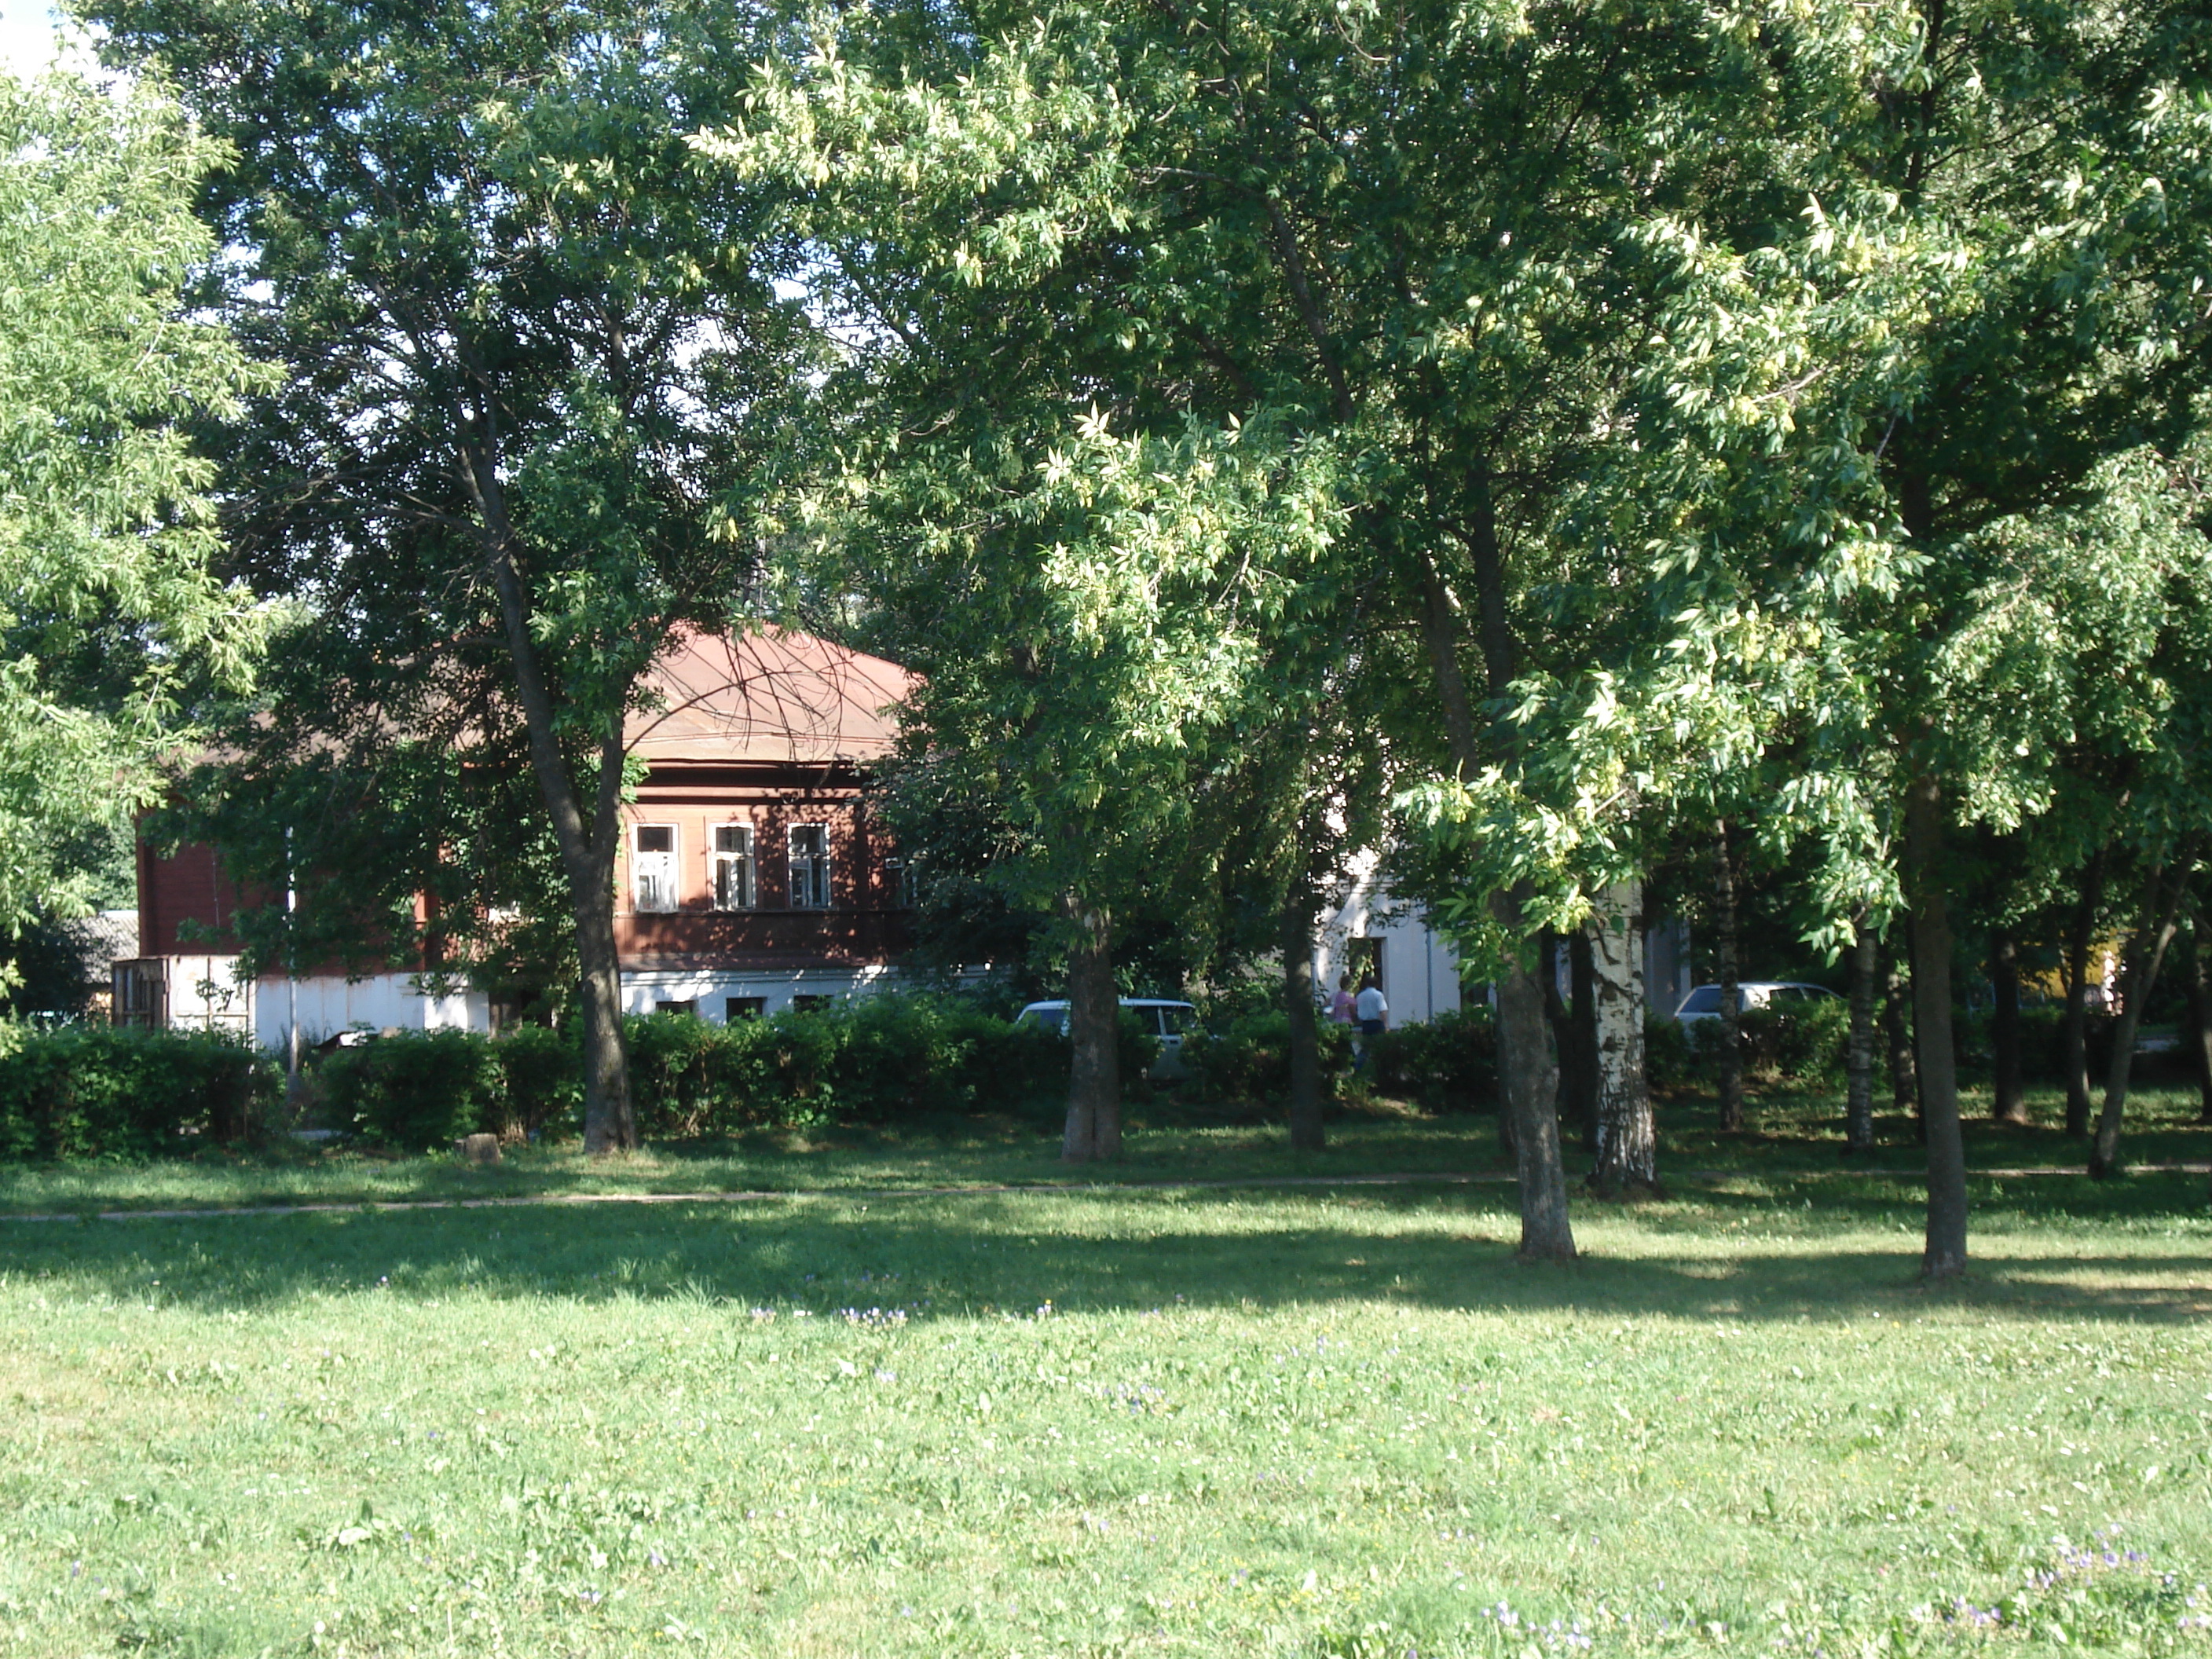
1305,1422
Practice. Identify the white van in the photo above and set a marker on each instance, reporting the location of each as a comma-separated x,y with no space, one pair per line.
1166,1020
1705,1002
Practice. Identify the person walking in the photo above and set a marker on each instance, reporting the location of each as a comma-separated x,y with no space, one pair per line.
1373,1014
1340,1005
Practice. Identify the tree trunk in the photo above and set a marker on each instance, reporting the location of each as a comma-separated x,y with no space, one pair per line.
2198,1037
1628,1145
587,851
1530,1088
1307,1134
1897,1034
1582,1094
2138,978
2073,1053
1945,1254
1526,1084
1573,1020
1094,1018
2008,1100
1858,1107
1555,1006
1731,1056
613,1125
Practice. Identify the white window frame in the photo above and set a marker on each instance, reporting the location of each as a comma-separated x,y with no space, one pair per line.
642,871
808,874
720,859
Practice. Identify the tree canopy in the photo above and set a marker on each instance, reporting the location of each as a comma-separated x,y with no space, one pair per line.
114,628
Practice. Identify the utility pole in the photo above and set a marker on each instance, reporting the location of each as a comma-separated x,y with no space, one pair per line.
291,977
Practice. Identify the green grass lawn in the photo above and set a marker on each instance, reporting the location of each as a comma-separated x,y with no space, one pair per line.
1198,1420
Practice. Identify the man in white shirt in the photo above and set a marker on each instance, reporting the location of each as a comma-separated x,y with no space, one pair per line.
1369,1008
1373,1015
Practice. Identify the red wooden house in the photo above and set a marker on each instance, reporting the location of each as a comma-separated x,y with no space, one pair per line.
752,875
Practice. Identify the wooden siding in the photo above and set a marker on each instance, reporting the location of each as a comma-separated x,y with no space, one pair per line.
863,924
187,903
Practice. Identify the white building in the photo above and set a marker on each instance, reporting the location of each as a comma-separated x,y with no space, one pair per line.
1374,931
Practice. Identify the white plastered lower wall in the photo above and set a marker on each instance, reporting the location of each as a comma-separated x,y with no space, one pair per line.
709,991
328,1004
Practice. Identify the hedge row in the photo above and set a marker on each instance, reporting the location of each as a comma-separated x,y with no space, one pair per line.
93,1091
1811,1043
1250,1059
1808,1042
1449,1064
98,1092
872,1060
426,1089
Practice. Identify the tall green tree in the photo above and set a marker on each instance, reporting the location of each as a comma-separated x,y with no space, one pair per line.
1082,559
1395,228
535,371
114,628
1092,627
1851,434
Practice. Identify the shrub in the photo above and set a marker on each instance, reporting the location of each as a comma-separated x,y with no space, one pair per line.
1811,1040
1449,1063
681,1068
541,1079
1020,1065
873,1058
926,1054
416,1090
1670,1059
1250,1058
1806,1040
99,1091
2043,1042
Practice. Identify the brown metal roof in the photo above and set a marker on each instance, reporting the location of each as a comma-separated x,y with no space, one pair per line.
771,696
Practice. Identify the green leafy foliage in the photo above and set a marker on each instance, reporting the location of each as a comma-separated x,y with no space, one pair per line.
1249,1058
871,1059
111,622
537,386
1448,1064
417,1091
97,1091
1668,1060
541,1071
1805,1042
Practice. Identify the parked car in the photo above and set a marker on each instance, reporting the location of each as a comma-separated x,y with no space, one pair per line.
1166,1020
1705,1002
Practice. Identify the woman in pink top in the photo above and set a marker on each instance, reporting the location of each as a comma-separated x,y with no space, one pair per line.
1339,1007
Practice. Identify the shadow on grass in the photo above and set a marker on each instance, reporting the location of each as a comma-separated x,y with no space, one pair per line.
919,1153
924,1257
